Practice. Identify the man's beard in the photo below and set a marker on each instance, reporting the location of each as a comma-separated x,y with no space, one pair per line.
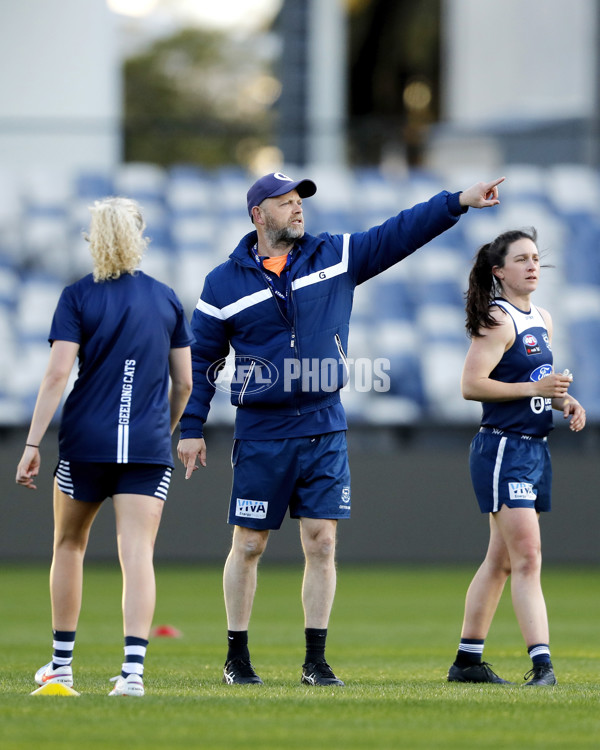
278,236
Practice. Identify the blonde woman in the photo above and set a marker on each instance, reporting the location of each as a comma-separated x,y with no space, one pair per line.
131,336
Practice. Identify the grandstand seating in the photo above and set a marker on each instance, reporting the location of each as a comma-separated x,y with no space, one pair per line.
412,315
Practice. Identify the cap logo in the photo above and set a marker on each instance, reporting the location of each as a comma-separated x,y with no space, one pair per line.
276,184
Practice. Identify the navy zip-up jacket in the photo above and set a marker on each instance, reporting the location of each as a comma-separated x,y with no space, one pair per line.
296,364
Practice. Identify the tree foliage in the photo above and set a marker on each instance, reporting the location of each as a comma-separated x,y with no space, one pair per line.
197,97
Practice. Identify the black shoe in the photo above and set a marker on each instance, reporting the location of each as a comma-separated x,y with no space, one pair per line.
240,672
542,674
475,673
319,674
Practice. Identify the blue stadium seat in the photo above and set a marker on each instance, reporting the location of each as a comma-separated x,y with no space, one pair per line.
229,195
46,239
159,263
141,181
158,229
442,364
395,298
91,186
440,275
190,271
573,189
378,197
194,233
8,345
318,220
11,208
582,264
440,323
397,341
9,283
525,182
440,292
584,337
406,377
190,192
38,296
32,357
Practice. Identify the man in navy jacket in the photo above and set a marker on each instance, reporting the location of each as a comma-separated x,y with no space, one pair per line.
282,303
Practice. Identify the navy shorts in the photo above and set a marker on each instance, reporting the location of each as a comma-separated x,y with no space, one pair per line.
94,482
308,475
510,469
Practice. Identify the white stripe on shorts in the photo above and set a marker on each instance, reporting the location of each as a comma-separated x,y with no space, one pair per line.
163,487
63,478
497,467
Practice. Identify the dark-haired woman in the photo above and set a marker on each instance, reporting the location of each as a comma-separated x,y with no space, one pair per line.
509,368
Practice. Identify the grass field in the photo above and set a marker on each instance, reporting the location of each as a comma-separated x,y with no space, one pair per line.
393,634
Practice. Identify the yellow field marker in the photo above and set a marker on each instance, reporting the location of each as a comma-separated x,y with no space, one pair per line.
55,688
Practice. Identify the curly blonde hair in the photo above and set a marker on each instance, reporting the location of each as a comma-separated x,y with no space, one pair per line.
116,237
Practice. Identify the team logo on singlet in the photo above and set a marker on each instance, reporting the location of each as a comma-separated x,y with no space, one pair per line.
541,372
539,404
531,344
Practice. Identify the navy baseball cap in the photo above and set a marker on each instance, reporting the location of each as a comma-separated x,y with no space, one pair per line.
275,184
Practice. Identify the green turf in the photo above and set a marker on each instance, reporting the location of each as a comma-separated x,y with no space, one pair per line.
393,634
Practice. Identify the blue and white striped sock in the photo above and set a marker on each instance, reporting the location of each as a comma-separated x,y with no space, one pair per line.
63,642
539,653
135,653
470,651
